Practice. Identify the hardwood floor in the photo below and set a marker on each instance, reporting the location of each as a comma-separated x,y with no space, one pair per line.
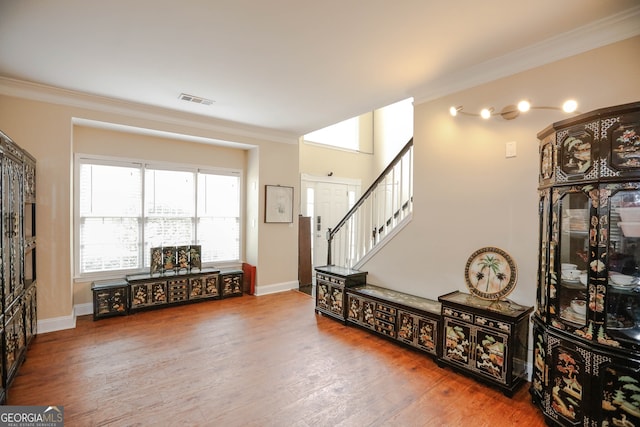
250,361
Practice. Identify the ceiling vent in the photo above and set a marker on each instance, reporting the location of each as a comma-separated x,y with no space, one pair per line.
195,99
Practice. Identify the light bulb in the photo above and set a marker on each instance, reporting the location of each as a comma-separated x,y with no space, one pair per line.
453,111
486,113
524,106
570,106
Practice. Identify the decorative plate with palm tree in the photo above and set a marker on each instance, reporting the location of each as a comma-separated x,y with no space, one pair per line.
490,273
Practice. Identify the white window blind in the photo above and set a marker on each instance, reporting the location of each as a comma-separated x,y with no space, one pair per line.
126,209
218,221
110,215
345,134
169,209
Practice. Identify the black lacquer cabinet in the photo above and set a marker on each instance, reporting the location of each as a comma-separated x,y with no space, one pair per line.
231,283
586,338
408,319
110,298
147,290
331,284
18,293
487,339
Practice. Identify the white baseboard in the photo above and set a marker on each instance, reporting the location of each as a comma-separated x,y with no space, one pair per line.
57,324
69,322
276,287
64,322
83,309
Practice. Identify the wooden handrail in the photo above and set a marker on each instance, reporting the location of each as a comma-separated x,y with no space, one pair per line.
332,231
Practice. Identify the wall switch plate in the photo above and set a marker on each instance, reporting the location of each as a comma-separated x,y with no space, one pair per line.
510,150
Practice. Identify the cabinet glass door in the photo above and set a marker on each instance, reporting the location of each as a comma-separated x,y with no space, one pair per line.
543,256
12,248
623,292
574,258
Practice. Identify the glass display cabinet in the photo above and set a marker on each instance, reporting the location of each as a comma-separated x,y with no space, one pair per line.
586,368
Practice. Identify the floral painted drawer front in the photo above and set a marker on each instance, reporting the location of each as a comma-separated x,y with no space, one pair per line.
491,323
178,290
463,315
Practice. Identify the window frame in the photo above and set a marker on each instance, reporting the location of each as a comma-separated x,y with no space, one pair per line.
82,158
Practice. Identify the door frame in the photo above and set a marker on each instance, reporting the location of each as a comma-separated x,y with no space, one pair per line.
308,180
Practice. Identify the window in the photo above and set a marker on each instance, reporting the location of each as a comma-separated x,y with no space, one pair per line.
126,208
345,134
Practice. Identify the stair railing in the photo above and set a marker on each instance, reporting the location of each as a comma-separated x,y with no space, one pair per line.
385,204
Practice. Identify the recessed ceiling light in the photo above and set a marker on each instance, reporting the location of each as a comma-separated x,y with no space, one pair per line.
195,99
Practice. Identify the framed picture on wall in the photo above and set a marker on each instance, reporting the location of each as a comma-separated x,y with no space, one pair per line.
278,203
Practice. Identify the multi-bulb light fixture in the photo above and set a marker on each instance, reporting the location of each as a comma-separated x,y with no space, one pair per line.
510,112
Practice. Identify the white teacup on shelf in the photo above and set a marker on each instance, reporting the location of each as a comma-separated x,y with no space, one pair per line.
584,277
579,306
622,279
571,274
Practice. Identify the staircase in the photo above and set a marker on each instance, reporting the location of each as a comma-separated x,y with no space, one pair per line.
378,215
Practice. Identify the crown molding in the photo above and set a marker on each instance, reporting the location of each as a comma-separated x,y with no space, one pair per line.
158,133
49,94
612,29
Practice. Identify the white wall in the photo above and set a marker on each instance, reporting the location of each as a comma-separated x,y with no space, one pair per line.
393,128
468,195
42,121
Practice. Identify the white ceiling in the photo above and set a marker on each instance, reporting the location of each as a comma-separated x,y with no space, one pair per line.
293,66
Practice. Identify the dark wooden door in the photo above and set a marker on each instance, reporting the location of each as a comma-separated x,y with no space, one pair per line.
304,251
